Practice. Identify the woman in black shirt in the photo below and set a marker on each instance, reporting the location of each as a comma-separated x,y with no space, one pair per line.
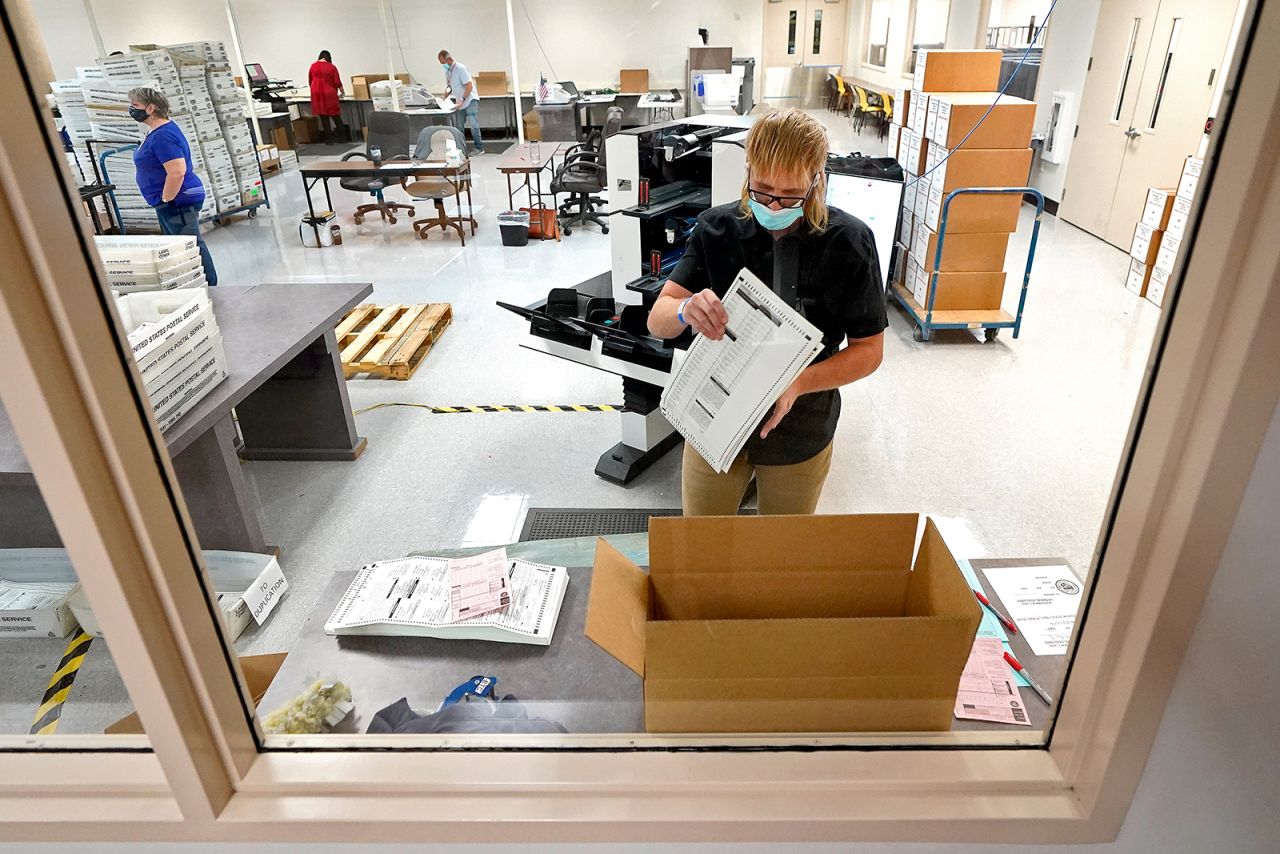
824,262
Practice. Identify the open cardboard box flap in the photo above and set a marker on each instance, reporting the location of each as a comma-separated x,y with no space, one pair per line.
258,670
741,620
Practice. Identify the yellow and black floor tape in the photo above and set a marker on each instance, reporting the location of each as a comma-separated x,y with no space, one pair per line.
507,407
55,696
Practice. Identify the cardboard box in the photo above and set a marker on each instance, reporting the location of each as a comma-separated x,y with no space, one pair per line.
1190,177
1158,286
904,226
957,70
491,84
634,81
1145,244
895,137
901,107
45,600
919,110
1167,257
1009,124
532,130
1179,213
307,130
918,154
910,187
982,167
961,253
931,118
1139,276
280,139
788,623
924,185
980,291
259,671
1159,205
972,213
360,83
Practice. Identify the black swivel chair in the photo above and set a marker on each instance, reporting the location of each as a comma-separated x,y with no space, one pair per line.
583,174
388,132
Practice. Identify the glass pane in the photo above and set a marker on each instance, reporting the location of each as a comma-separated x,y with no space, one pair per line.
878,26
1016,23
1164,72
373,397
929,31
1128,68
57,676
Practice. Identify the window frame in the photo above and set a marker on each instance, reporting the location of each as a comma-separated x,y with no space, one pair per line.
907,70
864,59
1195,439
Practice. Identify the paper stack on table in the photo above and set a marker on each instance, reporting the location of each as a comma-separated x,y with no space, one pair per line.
723,389
418,596
1042,601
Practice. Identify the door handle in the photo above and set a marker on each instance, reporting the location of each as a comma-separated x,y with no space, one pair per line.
1133,133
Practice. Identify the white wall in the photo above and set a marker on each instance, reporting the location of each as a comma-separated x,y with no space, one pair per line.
585,40
961,32
1065,61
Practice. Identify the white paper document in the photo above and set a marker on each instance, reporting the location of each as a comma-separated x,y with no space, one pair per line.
1042,601
413,596
29,596
723,389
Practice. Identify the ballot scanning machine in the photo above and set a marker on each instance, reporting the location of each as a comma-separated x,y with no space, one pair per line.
660,178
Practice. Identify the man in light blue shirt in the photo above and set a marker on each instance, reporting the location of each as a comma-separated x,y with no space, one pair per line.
463,93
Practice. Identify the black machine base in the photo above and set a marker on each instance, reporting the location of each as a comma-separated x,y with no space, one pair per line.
621,464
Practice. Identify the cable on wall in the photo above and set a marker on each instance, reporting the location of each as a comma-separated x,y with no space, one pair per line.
534,30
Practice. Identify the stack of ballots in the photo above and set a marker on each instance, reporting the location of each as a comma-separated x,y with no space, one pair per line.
387,96
176,344
151,263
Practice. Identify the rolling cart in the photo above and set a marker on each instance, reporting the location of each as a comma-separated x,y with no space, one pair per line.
99,160
926,319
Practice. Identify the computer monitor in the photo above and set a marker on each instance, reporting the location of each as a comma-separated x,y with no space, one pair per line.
257,77
876,202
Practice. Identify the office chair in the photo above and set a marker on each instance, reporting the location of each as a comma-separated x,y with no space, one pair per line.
864,108
431,145
582,174
389,132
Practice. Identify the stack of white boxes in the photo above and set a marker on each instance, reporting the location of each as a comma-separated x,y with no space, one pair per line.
387,96
954,100
68,95
203,101
162,263
177,347
1157,238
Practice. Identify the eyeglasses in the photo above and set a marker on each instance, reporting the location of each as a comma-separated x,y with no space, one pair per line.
766,199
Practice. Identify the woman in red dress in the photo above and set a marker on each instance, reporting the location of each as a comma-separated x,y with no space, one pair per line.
326,83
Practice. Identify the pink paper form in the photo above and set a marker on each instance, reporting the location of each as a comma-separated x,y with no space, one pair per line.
478,585
987,690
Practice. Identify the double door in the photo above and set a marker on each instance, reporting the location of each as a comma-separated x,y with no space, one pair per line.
799,33
1146,98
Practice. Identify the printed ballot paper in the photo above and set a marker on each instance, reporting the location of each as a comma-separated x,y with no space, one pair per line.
723,389
987,691
478,585
1042,601
418,596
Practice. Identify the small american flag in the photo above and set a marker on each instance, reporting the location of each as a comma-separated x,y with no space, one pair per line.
543,91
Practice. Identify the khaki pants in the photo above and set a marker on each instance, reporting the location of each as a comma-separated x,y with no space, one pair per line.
792,489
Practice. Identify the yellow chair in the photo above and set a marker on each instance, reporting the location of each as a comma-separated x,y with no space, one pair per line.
864,108
841,100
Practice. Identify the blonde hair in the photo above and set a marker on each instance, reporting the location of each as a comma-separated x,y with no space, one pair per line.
792,143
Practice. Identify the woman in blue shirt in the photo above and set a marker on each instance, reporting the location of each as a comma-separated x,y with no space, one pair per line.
165,176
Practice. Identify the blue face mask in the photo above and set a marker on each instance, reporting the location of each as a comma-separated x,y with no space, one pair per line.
774,220
445,66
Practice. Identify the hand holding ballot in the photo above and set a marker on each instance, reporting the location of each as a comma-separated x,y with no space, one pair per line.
706,314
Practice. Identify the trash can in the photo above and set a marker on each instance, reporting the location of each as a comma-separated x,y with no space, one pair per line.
514,226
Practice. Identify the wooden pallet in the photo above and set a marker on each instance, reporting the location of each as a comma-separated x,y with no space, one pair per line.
390,341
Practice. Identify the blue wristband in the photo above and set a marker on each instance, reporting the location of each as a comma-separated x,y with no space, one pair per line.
680,311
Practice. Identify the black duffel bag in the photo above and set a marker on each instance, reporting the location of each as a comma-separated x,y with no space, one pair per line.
884,168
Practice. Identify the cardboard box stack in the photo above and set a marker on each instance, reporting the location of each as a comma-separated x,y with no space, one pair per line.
387,95
1157,238
146,263
952,92
176,345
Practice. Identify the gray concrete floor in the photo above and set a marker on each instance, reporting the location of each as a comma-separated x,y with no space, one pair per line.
1012,445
